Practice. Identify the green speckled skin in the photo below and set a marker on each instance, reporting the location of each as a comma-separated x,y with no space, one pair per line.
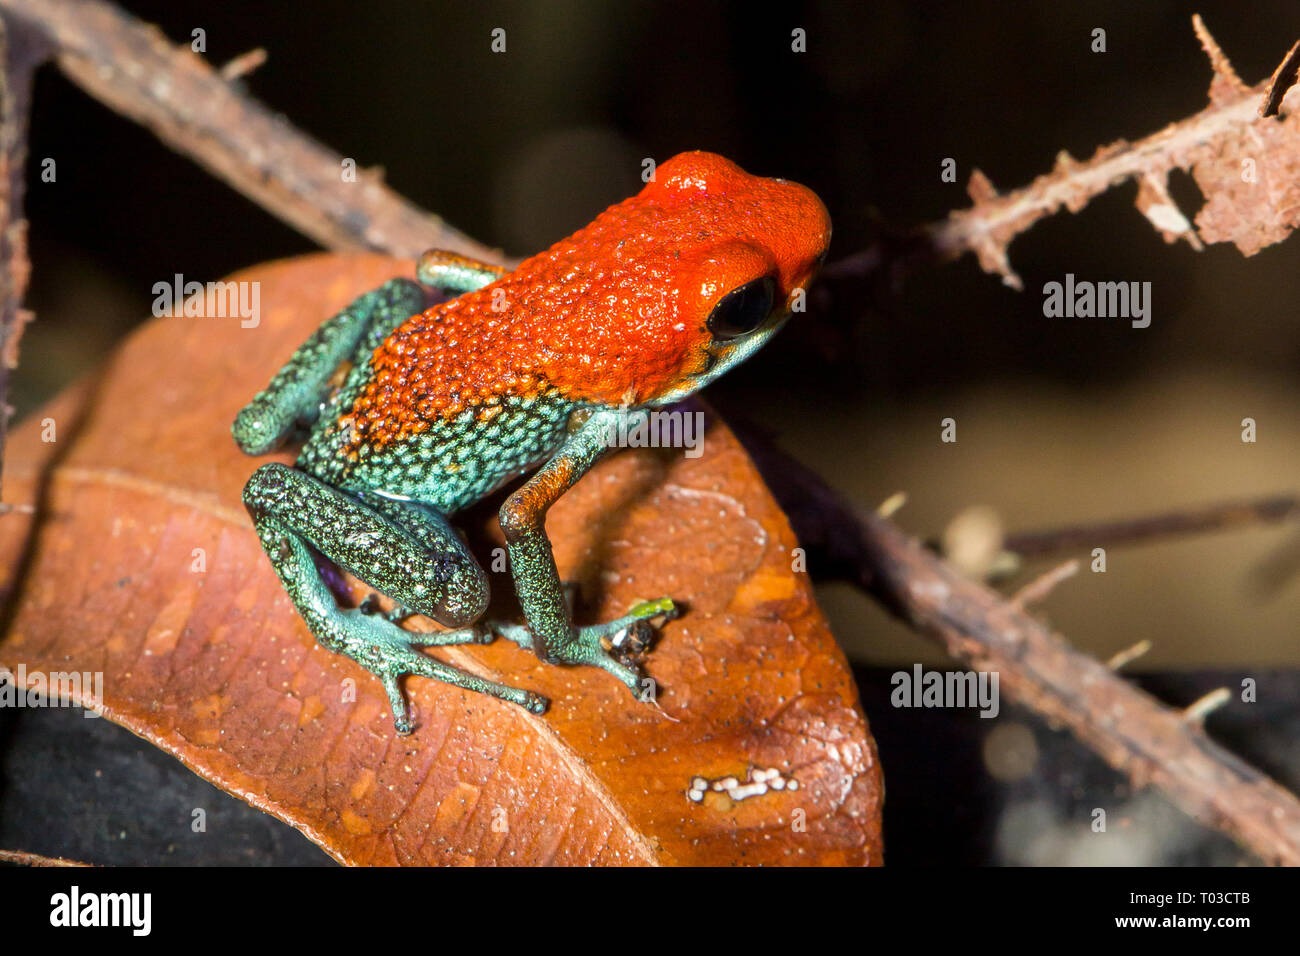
382,514
450,466
296,395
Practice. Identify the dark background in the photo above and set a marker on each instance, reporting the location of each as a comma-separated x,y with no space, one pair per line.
1060,420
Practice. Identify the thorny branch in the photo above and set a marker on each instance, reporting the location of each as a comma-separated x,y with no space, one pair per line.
201,113
1247,167
1128,728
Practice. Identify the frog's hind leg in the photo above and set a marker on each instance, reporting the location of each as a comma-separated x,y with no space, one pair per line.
416,559
292,400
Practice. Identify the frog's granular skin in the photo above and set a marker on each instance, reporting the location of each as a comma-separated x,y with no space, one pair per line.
614,314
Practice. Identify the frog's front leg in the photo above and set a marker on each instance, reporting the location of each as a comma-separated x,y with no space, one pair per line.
293,398
550,630
410,554
452,272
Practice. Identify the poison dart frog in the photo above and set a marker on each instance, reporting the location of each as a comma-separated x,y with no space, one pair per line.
443,402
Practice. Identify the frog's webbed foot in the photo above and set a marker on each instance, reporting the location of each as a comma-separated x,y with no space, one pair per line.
390,653
615,646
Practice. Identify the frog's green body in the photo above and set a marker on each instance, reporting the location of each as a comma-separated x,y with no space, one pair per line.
443,404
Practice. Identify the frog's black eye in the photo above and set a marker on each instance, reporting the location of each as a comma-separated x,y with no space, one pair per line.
743,310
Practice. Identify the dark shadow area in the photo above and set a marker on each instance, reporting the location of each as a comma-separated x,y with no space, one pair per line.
85,789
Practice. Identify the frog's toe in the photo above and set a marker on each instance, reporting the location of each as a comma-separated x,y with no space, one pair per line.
397,703
474,634
415,664
370,605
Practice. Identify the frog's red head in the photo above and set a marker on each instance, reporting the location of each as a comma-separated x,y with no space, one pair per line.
748,247
665,291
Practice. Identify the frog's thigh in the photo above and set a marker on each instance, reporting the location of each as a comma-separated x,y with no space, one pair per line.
411,555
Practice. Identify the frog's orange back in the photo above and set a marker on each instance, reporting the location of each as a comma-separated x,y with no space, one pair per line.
614,314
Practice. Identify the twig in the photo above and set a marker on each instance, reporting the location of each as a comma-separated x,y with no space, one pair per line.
1041,586
133,69
1216,517
1129,729
20,53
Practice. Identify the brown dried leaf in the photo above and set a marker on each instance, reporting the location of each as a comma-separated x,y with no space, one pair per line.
217,669
1251,181
23,858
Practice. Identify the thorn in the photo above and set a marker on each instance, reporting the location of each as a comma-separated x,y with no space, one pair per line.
1219,63
243,65
1154,202
1284,77
892,505
1196,712
1041,586
980,188
1126,657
